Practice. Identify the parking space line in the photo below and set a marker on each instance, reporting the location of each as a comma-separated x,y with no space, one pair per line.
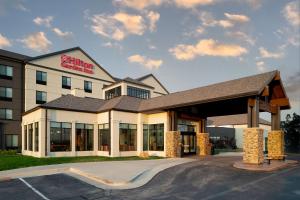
33,189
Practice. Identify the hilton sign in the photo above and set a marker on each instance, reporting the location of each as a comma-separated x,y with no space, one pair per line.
76,64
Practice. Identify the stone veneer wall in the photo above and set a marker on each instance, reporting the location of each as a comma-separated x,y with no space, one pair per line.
276,144
203,145
253,146
173,149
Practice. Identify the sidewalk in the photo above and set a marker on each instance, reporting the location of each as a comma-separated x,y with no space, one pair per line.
106,175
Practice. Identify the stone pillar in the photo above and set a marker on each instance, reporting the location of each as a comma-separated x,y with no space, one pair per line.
253,146
276,144
203,145
173,148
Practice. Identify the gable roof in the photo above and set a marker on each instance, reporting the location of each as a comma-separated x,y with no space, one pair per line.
128,80
243,87
12,55
68,50
149,75
240,119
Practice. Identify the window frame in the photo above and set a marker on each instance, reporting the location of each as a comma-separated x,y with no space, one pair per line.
87,89
103,129
37,101
114,92
5,75
86,131
149,130
6,97
40,81
36,136
5,114
138,92
62,131
66,86
130,131
11,146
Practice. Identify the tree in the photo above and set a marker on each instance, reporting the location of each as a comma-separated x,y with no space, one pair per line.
291,128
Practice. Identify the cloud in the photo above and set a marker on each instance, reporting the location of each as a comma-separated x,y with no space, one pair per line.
261,66
231,19
206,47
62,34
254,3
153,18
112,45
37,42
4,42
242,36
264,53
138,4
118,26
144,61
237,18
292,83
292,14
195,33
43,21
193,3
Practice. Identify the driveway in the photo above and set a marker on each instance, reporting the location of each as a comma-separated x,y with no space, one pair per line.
202,179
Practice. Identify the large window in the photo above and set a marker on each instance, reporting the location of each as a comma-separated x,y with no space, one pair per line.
66,82
137,92
5,93
103,137
36,136
11,141
60,136
25,137
128,137
5,113
41,78
153,137
6,72
30,134
84,137
41,97
115,92
88,86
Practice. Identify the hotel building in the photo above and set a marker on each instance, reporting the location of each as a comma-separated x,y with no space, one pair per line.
73,107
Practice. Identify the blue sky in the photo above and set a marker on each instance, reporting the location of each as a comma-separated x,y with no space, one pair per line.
185,43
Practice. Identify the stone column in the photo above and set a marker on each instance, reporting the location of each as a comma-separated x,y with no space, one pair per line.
276,144
253,146
173,148
203,145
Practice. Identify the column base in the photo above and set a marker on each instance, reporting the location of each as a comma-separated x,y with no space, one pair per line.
203,145
276,144
253,146
173,146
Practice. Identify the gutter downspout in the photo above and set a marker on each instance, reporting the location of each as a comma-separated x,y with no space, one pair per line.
109,137
46,132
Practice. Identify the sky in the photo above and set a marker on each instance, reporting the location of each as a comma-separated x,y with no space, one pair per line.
184,43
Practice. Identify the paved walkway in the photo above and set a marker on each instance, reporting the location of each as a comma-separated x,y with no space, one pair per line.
106,175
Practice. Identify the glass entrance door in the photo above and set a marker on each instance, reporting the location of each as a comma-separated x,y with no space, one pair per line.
188,142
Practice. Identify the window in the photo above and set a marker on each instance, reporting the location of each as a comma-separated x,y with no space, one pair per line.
103,137
41,78
137,92
5,113
6,72
66,82
41,97
153,137
11,141
88,86
115,92
128,137
60,136
30,134
36,136
5,93
25,137
84,137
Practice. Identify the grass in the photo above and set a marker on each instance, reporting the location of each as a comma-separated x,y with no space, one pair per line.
19,161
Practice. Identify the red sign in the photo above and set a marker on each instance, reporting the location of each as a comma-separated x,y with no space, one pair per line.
76,64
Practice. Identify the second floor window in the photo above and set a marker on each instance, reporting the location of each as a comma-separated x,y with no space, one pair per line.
5,93
66,82
41,78
5,113
41,97
115,92
138,92
6,72
88,86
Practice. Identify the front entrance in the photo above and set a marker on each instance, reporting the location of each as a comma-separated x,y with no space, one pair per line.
188,140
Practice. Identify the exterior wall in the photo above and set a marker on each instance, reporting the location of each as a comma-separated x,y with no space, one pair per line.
12,126
158,89
253,146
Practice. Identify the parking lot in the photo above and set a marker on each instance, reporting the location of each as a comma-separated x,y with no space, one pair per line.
209,179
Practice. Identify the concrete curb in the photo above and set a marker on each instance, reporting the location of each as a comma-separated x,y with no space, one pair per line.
265,167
